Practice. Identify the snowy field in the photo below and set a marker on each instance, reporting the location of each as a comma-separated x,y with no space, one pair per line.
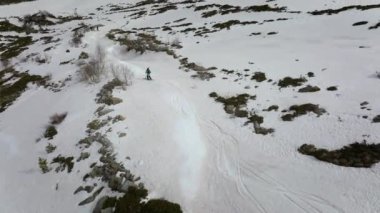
183,145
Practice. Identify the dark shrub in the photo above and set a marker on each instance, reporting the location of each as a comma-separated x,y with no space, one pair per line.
294,82
50,132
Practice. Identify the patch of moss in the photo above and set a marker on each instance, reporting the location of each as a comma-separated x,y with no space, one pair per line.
353,155
294,82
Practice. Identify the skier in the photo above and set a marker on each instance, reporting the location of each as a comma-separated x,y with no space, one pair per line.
148,74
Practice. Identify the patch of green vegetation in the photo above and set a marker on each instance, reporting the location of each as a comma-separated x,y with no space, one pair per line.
43,165
376,119
259,77
13,84
6,26
63,163
353,155
299,110
15,47
309,88
50,132
50,148
351,7
5,2
294,82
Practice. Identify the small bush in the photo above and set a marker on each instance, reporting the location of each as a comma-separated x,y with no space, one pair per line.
92,71
259,77
50,148
122,73
43,165
50,132
294,82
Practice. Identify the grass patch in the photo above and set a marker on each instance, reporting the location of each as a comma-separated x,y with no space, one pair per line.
353,155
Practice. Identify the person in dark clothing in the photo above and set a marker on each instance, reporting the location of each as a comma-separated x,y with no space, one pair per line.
148,74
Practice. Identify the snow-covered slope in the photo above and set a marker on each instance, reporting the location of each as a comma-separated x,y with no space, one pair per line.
179,140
